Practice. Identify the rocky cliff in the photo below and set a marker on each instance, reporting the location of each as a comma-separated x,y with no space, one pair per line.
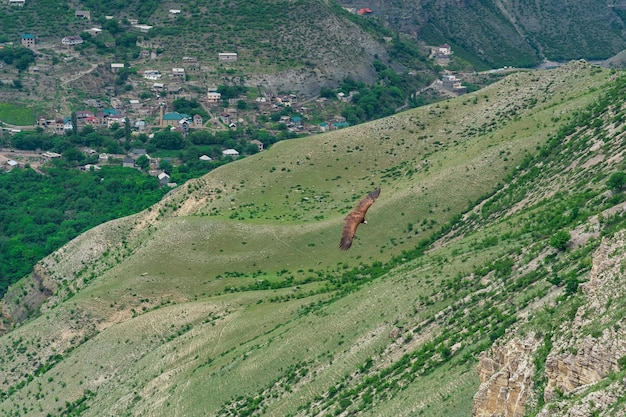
584,360
506,378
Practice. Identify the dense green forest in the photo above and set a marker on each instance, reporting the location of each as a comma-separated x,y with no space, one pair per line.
40,213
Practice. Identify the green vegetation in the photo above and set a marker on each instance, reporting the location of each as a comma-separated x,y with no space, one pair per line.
236,279
19,56
617,181
392,92
17,114
40,213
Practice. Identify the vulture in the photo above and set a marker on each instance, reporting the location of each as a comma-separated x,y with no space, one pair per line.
356,217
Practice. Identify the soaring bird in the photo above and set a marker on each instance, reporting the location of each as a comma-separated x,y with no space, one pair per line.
356,217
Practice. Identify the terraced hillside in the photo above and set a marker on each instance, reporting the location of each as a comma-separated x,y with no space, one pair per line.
230,296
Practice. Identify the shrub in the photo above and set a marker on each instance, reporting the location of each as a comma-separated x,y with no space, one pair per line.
560,240
617,181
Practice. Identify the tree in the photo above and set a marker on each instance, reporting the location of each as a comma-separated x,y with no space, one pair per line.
166,166
143,162
617,181
74,124
242,105
560,240
127,131
73,154
168,139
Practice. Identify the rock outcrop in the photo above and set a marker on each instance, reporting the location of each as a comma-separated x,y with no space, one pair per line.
585,351
506,373
588,349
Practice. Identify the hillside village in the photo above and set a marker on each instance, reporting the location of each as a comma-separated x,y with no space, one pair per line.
150,86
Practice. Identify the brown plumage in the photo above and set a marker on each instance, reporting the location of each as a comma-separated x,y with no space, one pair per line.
355,218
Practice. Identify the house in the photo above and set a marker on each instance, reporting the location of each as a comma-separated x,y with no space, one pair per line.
142,28
83,114
141,126
59,127
12,164
285,100
137,152
205,158
128,162
227,56
115,67
452,84
28,40
116,118
111,111
444,49
173,119
90,167
189,60
197,120
94,31
225,117
67,124
230,152
164,179
42,121
151,74
82,14
17,2
213,97
50,155
183,126
364,11
72,40
93,121
174,11
178,72
296,121
258,143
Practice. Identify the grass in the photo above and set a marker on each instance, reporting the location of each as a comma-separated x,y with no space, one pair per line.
17,114
230,297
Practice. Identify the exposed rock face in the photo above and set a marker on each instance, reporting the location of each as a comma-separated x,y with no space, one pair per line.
505,373
595,359
584,352
588,348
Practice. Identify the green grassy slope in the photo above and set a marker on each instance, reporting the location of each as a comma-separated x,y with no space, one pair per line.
230,297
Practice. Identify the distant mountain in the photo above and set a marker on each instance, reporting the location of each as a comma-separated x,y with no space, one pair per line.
495,33
499,229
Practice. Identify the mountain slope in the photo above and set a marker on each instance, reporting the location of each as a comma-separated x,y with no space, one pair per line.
281,45
496,33
230,297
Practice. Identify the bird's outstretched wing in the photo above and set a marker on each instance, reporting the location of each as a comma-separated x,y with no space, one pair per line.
356,217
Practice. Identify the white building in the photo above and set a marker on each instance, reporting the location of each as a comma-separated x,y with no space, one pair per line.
72,40
227,56
230,152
